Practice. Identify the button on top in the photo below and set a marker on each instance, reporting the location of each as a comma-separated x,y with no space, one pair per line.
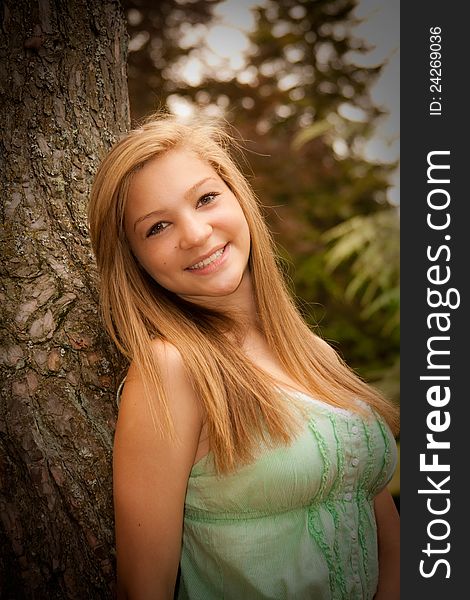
354,429
355,462
353,536
347,496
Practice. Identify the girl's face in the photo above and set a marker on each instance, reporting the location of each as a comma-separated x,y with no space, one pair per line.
186,228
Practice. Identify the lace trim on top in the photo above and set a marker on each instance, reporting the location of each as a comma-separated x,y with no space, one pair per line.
331,556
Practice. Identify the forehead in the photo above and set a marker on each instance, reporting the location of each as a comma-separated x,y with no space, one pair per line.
171,174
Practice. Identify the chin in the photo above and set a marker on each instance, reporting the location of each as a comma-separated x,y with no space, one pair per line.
215,289
220,293
225,288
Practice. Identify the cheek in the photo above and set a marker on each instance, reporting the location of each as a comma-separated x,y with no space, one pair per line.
238,218
153,262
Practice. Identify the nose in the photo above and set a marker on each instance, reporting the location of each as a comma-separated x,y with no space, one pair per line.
194,232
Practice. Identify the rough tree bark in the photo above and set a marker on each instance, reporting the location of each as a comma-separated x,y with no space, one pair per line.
64,100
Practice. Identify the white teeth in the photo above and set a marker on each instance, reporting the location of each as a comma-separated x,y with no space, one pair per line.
208,261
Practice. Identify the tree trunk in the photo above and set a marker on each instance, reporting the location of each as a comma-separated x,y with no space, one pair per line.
64,100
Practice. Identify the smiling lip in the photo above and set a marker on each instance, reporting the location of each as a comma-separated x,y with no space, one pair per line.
212,266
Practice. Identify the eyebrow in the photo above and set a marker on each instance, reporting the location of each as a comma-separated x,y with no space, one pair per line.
187,194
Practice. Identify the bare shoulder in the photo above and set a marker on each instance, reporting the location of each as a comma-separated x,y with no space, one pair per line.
150,476
138,442
136,429
170,363
182,401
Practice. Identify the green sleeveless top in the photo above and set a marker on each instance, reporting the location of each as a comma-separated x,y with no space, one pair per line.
297,523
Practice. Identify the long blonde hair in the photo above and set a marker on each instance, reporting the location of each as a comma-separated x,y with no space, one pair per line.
241,403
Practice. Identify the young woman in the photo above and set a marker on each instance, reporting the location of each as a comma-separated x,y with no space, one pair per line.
246,452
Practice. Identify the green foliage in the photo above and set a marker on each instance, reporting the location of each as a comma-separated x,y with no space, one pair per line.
371,243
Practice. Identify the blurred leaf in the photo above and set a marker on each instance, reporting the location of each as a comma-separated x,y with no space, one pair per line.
310,133
371,244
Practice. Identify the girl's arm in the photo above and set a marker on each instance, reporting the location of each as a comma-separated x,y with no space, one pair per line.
388,531
150,477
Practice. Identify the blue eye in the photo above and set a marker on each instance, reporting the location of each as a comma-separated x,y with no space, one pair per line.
207,198
157,228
